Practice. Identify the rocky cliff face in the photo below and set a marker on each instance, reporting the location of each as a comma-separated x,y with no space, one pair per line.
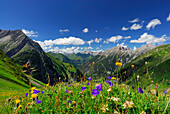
109,57
22,49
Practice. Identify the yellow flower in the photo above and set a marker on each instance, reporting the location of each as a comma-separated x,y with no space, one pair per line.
133,66
113,78
28,103
19,106
34,95
118,64
47,84
33,88
17,101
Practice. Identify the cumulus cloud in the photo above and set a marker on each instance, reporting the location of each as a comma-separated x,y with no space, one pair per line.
66,50
136,26
124,28
114,38
85,30
168,18
153,23
64,30
134,20
30,33
62,41
98,40
148,38
127,37
89,42
134,48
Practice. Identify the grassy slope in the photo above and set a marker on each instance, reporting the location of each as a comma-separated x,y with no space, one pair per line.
158,65
64,69
12,79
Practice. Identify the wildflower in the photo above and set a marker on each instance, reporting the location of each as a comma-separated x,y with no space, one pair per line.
137,77
69,101
34,96
109,90
146,63
35,91
132,87
132,66
155,87
47,85
38,101
165,92
17,101
42,92
115,81
99,87
113,78
55,91
109,77
139,90
93,63
28,103
107,81
33,88
69,85
118,64
65,83
83,88
110,83
26,94
19,106
88,83
104,108
74,102
66,91
128,104
95,92
90,78
115,99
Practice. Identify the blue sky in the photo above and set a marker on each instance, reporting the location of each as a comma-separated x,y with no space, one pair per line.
77,25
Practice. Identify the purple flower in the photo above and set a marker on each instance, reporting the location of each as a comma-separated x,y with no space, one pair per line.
132,87
139,90
66,91
69,85
38,101
155,87
165,92
65,83
90,78
42,92
88,83
109,77
83,88
26,94
95,92
35,91
69,101
110,83
55,91
115,81
99,87
107,81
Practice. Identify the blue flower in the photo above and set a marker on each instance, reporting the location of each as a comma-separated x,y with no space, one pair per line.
139,90
66,91
88,83
69,101
35,91
90,78
132,87
99,87
95,92
115,81
109,77
83,88
165,92
26,94
42,92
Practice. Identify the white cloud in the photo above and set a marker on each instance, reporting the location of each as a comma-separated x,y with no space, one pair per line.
98,40
89,48
89,42
168,18
114,38
134,20
97,48
153,23
85,30
127,37
30,33
124,28
136,26
100,45
96,30
148,38
62,41
66,50
64,30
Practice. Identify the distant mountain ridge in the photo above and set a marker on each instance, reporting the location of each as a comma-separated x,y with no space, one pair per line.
109,57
